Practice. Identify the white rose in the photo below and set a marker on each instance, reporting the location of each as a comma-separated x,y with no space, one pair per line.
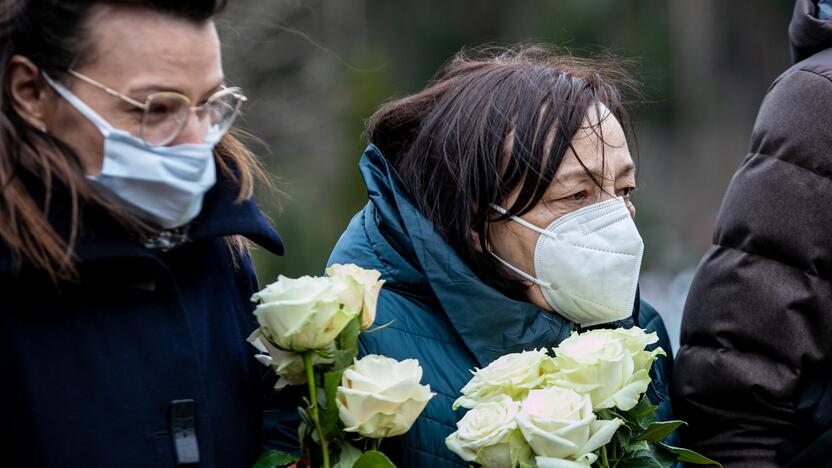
635,342
612,366
287,365
561,428
362,291
302,314
512,375
381,397
488,435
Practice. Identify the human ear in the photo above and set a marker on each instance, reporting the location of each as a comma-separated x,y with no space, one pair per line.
475,238
28,91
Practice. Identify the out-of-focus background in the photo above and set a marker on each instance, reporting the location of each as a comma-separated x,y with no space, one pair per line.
315,70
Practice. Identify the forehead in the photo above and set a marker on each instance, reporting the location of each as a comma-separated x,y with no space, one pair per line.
130,46
600,141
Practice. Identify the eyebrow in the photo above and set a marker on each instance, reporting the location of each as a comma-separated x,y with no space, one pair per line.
580,172
156,88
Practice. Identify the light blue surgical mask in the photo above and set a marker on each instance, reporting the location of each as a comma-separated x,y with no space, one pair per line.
164,184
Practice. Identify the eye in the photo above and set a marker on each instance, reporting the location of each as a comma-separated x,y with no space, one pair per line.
626,192
161,108
575,197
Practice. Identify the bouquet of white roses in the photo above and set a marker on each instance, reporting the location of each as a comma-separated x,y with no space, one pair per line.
584,406
308,334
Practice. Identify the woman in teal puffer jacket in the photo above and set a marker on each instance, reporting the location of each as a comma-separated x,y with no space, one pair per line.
500,218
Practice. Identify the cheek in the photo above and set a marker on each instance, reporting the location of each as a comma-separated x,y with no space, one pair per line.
66,124
514,244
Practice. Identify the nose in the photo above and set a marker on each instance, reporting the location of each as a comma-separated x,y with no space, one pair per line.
631,208
194,131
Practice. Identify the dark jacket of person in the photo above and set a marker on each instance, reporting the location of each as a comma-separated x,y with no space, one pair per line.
142,362
753,376
442,314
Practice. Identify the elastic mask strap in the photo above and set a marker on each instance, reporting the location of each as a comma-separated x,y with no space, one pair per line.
103,126
523,222
521,272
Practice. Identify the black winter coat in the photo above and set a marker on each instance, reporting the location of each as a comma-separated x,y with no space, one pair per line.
753,376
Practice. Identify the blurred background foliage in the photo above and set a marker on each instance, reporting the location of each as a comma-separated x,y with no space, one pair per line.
316,70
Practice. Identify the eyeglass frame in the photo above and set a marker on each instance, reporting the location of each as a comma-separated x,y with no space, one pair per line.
145,106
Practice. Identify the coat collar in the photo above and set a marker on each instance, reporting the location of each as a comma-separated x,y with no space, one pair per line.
101,237
807,33
489,323
222,216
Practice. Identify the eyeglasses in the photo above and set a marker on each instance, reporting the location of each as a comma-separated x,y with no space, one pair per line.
165,114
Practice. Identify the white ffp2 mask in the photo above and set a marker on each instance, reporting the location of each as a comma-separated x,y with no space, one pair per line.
587,262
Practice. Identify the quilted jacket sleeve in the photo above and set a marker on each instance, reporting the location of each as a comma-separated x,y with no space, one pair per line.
756,334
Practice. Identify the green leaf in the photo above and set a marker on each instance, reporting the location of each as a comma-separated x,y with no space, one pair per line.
688,456
641,415
623,436
639,446
329,409
640,459
373,459
666,458
342,359
347,340
349,455
275,458
658,431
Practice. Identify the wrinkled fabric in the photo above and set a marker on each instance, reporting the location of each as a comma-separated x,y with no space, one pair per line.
442,314
752,374
809,33
90,369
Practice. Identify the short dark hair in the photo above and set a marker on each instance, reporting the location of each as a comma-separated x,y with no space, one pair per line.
483,129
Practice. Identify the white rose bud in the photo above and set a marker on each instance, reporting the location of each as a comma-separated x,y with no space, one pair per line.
381,397
362,291
512,375
561,428
302,314
488,435
612,366
287,365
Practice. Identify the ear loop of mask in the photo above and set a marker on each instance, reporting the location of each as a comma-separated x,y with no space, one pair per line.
103,126
508,265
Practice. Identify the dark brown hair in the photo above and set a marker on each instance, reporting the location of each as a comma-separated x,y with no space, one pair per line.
492,122
53,35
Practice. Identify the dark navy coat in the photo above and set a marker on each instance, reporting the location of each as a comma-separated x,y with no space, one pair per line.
442,314
146,348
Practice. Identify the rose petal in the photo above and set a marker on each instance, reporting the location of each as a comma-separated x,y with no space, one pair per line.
547,462
602,432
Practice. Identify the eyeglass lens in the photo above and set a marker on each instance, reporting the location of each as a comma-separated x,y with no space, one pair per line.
167,115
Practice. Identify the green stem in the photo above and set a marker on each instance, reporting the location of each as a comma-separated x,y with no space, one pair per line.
376,444
313,406
604,461
618,458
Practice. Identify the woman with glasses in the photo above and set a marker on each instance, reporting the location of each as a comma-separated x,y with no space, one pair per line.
126,210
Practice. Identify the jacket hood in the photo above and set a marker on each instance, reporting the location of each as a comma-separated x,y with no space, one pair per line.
808,35
415,258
